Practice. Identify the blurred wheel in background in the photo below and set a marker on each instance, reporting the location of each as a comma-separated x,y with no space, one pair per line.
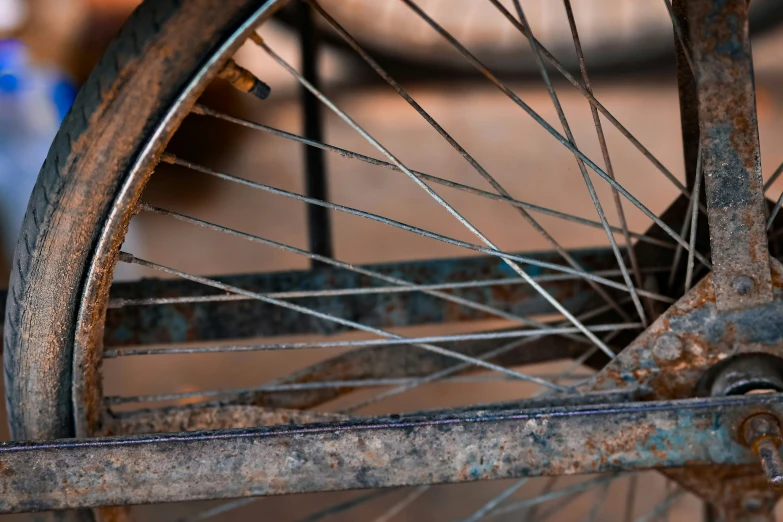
614,33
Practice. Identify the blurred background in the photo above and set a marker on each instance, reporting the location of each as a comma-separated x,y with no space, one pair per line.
48,47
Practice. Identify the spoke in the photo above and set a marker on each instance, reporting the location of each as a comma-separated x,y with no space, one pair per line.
433,377
319,385
219,510
686,226
605,152
479,336
119,302
128,258
402,504
569,135
775,175
464,153
508,92
775,211
540,499
694,223
344,265
530,514
441,374
559,66
201,110
681,39
347,266
380,219
515,267
597,503
345,506
662,508
630,498
492,504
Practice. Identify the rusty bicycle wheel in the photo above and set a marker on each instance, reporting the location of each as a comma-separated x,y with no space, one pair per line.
442,310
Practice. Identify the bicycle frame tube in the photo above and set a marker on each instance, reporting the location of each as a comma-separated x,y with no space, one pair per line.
420,449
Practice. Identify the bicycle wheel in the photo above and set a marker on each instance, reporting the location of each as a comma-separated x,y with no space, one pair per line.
549,350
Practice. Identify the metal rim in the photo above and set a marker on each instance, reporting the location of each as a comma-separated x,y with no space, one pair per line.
88,406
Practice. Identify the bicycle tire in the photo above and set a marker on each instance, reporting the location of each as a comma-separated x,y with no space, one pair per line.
81,177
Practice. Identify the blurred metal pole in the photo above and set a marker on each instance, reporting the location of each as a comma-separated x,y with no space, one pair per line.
689,108
318,218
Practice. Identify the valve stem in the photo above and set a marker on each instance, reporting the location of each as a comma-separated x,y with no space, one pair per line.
244,80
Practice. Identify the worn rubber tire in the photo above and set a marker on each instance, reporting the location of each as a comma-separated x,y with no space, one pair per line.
163,46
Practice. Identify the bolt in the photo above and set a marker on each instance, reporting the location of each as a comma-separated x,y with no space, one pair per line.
762,435
668,347
743,285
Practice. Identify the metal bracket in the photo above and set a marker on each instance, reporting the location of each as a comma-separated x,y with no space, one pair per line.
730,151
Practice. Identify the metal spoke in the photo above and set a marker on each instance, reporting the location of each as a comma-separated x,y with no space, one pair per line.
434,195
464,153
591,190
205,111
540,499
479,336
686,226
441,374
775,211
433,377
530,513
394,510
508,92
344,265
549,513
605,153
694,223
597,503
492,504
193,220
380,219
128,258
559,66
775,175
347,266
662,508
681,38
345,506
119,302
219,510
319,385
